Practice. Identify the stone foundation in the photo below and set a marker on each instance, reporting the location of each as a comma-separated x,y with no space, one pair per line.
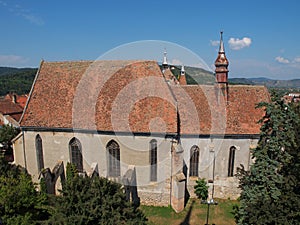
155,199
224,188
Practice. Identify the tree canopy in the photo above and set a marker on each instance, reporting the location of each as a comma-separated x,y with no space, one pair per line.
93,200
271,189
20,202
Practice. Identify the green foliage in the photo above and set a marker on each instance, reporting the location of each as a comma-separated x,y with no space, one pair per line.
271,189
96,200
20,203
16,80
201,189
71,171
7,133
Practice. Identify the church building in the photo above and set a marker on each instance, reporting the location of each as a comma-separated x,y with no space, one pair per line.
134,122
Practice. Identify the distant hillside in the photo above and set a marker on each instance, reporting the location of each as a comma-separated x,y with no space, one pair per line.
295,83
200,76
195,75
16,80
19,80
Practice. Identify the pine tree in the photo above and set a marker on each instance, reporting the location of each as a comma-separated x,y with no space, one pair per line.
94,200
270,190
20,203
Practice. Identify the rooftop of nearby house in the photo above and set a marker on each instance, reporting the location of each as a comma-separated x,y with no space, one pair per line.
133,96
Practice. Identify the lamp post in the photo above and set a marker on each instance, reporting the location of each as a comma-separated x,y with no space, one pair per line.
211,201
208,202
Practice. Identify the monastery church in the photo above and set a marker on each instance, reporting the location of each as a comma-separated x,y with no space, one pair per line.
136,123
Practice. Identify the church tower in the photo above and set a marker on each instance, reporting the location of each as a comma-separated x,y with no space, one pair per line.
221,70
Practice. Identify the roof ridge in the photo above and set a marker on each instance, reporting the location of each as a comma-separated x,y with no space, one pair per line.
102,60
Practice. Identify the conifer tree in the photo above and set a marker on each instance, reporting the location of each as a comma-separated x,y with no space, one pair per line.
20,203
271,189
93,200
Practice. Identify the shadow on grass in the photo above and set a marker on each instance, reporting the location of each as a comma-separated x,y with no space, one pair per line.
186,220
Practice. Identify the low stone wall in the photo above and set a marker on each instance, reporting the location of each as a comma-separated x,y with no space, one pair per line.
155,199
224,188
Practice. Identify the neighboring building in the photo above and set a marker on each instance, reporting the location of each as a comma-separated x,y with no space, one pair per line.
134,123
292,97
11,109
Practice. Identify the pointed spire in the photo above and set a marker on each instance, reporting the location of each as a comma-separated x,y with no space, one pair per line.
165,61
221,48
221,70
221,64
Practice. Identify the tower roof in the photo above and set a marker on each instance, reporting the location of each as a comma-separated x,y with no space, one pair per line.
165,61
221,48
221,59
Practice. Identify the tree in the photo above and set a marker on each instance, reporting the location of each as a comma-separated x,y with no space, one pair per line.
94,200
271,189
20,203
7,133
201,189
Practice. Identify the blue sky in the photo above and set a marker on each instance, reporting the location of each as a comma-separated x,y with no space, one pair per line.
262,38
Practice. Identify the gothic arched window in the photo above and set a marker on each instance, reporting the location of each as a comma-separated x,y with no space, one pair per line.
76,154
231,161
153,160
39,152
194,161
113,150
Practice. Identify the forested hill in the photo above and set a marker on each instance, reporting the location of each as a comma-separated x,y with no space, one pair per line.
18,80
295,83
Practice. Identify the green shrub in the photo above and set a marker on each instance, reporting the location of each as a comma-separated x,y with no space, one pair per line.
201,189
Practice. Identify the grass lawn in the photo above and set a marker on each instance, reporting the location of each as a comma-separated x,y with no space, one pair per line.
194,213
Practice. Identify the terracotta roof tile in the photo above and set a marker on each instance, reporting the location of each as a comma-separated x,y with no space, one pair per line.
102,95
203,111
8,107
133,96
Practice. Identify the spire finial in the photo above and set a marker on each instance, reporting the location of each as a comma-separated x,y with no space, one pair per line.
165,61
221,49
182,70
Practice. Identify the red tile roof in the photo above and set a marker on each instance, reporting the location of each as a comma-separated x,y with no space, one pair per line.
102,95
21,100
8,107
133,96
203,109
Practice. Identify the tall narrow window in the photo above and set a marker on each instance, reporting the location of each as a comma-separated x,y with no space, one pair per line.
76,154
231,161
194,161
113,150
153,160
39,152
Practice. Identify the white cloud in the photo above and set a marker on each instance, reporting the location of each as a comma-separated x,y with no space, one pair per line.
176,62
12,60
237,44
25,13
282,60
33,19
297,60
214,43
